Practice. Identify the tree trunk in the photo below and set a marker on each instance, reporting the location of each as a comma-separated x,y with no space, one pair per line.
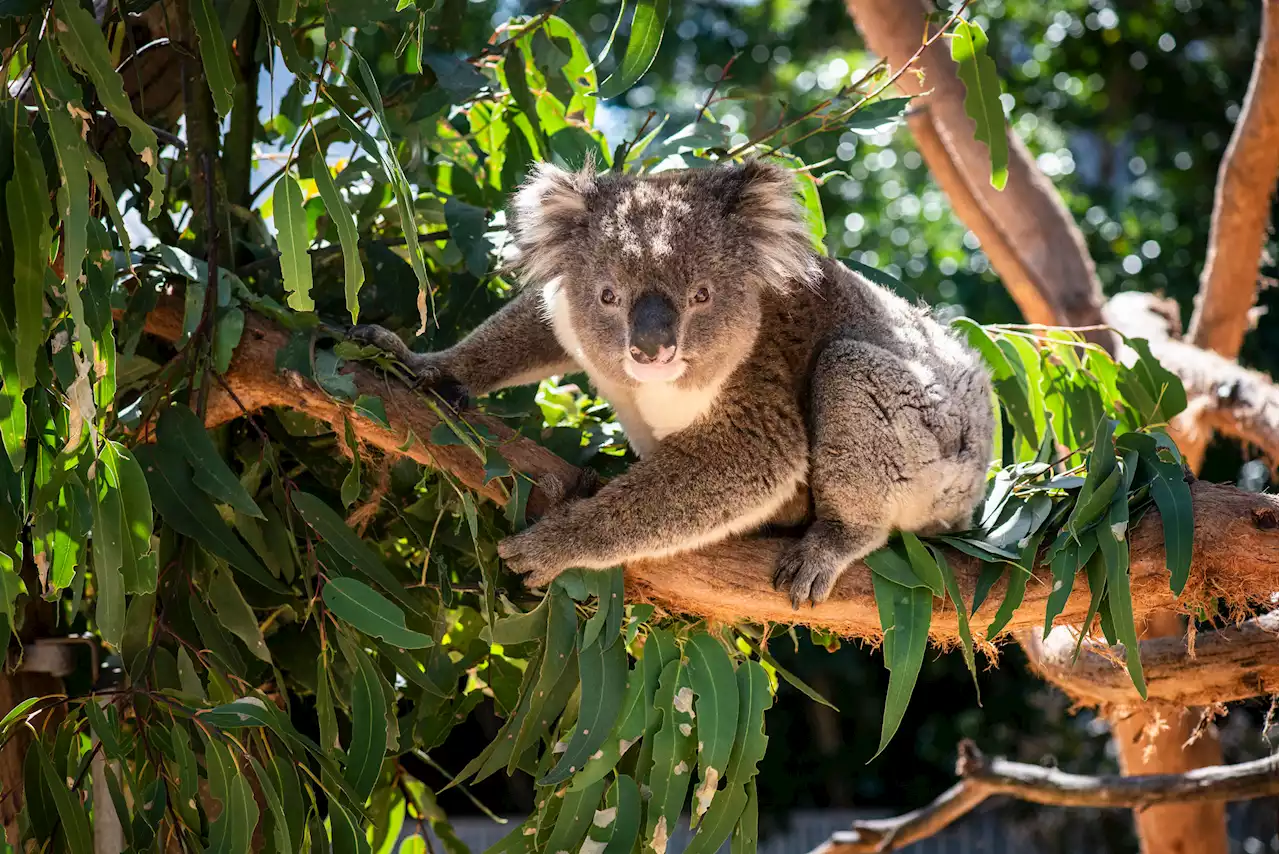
1150,743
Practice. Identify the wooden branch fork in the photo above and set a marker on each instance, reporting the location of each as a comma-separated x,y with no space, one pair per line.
982,778
1235,559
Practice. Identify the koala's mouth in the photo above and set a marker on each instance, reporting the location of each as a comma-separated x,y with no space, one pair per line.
655,372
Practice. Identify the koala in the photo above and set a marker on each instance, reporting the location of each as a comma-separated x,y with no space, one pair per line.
748,371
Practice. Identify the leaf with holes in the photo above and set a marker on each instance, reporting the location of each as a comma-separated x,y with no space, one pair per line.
215,57
292,240
81,41
715,685
977,71
604,683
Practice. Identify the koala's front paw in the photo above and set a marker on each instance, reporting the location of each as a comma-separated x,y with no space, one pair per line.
804,575
454,394
538,553
428,375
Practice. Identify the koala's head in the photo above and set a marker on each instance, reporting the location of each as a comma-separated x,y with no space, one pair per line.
660,278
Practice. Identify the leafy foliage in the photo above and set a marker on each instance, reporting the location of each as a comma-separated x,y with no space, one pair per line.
266,643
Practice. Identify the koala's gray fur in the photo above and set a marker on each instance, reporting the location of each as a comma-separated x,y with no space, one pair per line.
793,373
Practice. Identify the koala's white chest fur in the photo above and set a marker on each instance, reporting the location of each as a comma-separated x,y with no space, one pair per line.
648,413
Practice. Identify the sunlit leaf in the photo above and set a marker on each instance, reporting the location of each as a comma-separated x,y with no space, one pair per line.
647,24
977,70
291,237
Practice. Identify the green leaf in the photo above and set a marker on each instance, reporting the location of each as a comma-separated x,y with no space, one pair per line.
182,430
367,610
350,490
28,201
368,727
576,814
674,744
73,206
232,831
123,519
467,225
372,408
712,676
871,119
279,825
1172,495
347,835
638,717
1069,555
291,238
962,616
342,218
215,58
330,526
81,41
749,747
1096,572
977,71
911,611
236,616
923,564
190,512
647,24
1114,547
558,659
1017,589
604,682
74,820
620,832
746,836
513,70
606,622
888,564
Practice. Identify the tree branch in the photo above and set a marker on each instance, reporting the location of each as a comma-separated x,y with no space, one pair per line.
1221,395
1242,204
1236,549
982,778
1235,663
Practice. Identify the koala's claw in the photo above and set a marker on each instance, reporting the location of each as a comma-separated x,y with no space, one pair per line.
454,394
530,555
802,578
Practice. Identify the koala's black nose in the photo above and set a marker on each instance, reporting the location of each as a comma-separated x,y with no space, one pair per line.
653,329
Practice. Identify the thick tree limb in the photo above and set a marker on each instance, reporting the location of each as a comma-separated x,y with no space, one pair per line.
1025,229
1235,663
982,778
1242,204
1221,395
1236,549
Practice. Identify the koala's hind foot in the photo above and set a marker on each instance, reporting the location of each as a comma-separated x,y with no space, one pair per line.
809,567
428,371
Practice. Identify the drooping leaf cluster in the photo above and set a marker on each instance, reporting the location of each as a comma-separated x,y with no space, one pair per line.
1081,455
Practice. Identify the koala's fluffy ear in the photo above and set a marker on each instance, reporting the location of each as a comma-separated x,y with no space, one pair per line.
549,216
776,225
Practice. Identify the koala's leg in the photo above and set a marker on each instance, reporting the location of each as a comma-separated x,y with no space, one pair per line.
872,451
515,346
726,474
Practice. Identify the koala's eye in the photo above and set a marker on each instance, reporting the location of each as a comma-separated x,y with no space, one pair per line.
608,297
702,295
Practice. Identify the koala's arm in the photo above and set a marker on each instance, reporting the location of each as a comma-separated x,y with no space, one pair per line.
513,347
723,475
